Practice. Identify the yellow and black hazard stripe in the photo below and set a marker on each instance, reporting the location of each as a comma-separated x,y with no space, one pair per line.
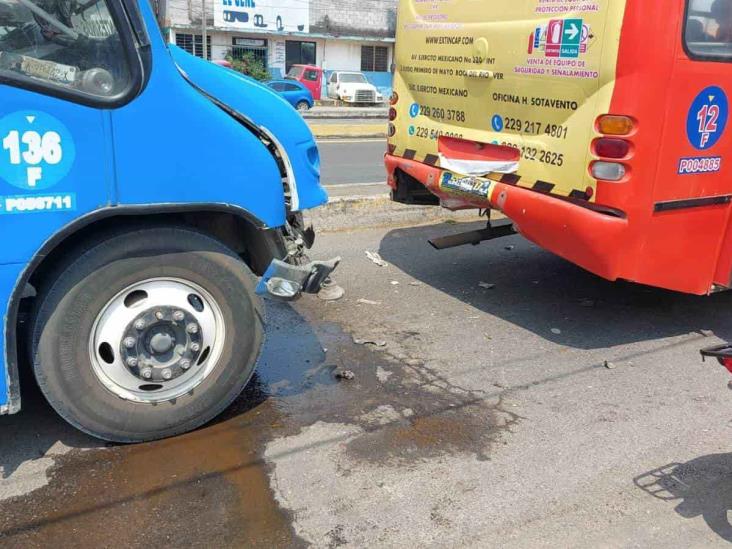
538,185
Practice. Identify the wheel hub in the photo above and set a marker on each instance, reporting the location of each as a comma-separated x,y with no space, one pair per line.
161,344
157,339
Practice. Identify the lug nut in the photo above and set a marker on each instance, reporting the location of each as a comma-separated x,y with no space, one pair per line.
185,363
132,362
167,374
146,373
195,347
192,328
178,315
129,342
159,315
139,324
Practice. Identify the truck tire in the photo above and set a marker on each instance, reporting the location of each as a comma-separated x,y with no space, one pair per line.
149,333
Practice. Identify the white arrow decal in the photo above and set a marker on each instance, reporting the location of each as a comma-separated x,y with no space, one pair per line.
572,31
30,119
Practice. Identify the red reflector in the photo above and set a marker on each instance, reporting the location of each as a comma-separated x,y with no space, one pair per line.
392,113
611,147
727,363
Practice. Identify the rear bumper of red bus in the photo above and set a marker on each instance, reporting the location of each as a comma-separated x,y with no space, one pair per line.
591,239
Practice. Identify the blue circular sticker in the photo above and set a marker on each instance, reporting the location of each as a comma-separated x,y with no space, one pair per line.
707,118
497,122
36,150
411,130
414,110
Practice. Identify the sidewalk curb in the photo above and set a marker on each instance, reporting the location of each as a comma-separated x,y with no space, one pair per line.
331,131
356,115
370,212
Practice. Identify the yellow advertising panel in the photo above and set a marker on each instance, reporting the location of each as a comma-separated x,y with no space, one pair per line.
530,74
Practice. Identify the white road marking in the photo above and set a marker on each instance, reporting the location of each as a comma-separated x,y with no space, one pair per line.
344,185
346,141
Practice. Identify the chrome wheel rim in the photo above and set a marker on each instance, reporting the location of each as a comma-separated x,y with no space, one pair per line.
157,340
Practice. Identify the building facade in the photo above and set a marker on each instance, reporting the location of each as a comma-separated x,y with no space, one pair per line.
353,35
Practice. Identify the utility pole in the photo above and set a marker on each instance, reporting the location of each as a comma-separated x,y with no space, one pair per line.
203,29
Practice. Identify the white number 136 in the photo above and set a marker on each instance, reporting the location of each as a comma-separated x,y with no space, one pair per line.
37,148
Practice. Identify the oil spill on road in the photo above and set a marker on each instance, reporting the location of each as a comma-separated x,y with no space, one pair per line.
212,487
209,487
206,488
418,414
407,410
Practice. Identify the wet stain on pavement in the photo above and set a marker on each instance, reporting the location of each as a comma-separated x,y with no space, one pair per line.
207,488
211,487
422,415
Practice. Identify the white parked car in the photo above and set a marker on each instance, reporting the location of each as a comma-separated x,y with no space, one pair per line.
352,87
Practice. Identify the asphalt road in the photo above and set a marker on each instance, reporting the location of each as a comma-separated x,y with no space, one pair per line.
352,161
480,416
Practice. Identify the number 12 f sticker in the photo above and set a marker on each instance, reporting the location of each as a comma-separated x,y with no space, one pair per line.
36,150
707,118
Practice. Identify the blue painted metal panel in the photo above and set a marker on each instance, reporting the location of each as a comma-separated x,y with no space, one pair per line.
88,178
266,108
169,145
174,145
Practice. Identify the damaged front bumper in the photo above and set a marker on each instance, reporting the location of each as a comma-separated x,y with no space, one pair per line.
286,282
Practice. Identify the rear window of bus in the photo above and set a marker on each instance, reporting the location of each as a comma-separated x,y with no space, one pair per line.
708,32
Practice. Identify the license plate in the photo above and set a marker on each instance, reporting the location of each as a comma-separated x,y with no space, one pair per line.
48,70
466,184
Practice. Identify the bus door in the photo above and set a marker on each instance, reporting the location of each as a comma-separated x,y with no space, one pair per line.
62,66
693,185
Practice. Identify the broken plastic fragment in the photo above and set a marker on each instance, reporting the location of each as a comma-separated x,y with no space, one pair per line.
376,258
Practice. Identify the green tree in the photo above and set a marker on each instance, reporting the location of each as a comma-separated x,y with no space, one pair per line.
249,65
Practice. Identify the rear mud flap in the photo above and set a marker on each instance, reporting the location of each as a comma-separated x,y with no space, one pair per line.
286,282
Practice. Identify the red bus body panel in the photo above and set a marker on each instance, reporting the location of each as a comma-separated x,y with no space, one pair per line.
673,230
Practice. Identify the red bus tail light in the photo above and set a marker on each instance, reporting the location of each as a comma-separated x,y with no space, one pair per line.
392,130
611,147
612,124
394,98
392,113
